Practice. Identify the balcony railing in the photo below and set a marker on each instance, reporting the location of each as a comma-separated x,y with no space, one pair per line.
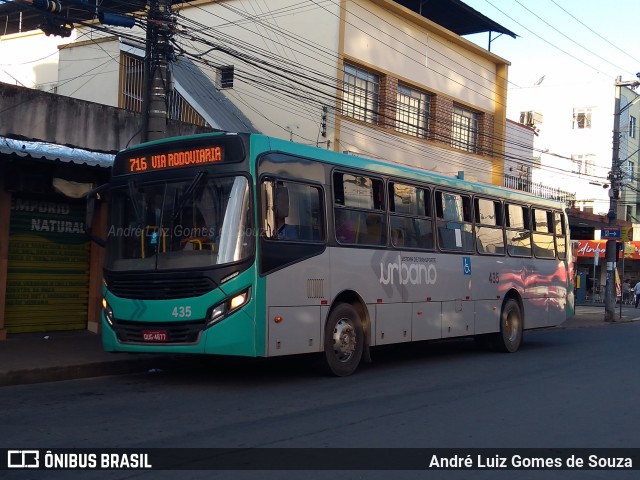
539,189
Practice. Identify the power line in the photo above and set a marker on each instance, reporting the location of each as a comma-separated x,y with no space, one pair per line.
594,32
283,71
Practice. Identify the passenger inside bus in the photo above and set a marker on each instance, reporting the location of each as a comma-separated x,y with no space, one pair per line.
346,227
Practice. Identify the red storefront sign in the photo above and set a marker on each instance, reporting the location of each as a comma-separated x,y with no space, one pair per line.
587,248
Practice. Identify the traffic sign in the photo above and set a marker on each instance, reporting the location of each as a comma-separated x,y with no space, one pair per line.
610,233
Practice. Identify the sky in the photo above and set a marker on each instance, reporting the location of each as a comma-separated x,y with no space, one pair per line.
564,39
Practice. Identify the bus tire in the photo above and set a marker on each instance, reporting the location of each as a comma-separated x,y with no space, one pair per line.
511,326
343,340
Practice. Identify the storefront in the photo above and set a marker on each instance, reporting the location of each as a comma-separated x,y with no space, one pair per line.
591,265
48,265
49,270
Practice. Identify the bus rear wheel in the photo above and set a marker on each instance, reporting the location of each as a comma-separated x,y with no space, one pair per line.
511,326
343,340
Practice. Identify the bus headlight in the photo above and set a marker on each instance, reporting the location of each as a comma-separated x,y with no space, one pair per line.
238,300
227,307
108,311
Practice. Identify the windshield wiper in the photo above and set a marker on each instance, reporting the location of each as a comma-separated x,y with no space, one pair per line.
132,195
187,193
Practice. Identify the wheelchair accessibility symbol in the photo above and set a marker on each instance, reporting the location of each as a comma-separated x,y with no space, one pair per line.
466,265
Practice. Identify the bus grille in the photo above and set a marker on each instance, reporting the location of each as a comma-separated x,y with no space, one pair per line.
149,288
179,332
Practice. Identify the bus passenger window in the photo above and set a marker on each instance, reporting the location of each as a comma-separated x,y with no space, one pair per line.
293,212
488,229
561,240
455,231
410,210
358,209
543,237
518,233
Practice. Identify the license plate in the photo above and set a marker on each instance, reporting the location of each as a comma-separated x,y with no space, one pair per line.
155,336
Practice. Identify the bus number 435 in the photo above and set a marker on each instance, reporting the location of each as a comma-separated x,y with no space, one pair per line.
181,312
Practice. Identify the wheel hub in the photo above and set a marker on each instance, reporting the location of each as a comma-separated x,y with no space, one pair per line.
344,340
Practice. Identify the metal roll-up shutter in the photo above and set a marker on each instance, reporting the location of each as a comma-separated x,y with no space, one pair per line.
48,267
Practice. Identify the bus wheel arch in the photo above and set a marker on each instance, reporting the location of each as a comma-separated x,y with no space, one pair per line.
509,337
346,334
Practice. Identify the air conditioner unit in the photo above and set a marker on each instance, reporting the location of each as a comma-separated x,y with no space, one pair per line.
530,118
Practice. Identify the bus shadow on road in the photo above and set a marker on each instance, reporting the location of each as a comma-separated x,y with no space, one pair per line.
203,369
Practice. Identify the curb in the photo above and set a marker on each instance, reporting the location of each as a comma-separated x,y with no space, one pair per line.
95,369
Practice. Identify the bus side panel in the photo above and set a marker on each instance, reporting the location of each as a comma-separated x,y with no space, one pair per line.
546,293
294,294
520,275
554,280
487,316
297,330
457,318
373,275
492,276
440,286
393,323
426,321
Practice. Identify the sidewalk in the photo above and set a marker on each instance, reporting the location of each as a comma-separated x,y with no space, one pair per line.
55,356
45,357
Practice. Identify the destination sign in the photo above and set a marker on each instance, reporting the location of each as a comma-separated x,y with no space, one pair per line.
195,151
182,158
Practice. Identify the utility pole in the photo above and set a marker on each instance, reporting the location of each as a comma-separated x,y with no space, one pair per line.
615,177
156,74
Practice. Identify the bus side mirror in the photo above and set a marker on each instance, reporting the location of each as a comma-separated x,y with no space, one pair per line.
91,206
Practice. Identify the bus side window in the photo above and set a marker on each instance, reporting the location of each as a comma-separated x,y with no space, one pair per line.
543,236
561,239
410,216
293,211
518,230
488,227
359,209
453,212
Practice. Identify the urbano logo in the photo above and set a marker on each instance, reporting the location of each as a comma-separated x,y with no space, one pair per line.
23,459
413,273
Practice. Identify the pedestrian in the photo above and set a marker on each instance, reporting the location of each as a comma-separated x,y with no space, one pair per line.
626,292
636,294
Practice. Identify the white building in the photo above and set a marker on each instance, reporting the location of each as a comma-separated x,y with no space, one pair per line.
574,124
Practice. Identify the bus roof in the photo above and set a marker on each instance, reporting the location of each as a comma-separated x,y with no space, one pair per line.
365,163
405,171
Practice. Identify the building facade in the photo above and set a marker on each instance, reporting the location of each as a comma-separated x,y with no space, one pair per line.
574,137
368,77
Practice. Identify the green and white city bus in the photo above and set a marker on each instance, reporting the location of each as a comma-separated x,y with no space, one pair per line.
238,244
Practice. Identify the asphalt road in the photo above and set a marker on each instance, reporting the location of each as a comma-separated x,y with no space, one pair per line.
571,388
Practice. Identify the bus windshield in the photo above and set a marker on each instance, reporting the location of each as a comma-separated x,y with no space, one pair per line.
197,222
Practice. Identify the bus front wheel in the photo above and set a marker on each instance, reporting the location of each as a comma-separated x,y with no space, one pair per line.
511,324
343,340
